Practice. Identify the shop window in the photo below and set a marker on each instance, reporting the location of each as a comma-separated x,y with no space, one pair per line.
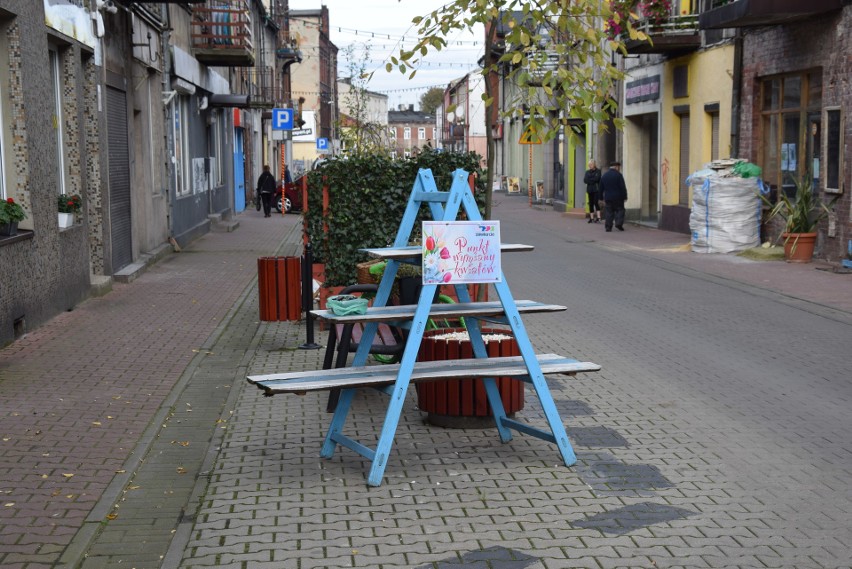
180,112
833,150
790,127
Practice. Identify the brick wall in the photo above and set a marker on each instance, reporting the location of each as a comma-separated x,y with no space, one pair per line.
826,43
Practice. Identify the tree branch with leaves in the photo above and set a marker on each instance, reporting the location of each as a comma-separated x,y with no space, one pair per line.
558,52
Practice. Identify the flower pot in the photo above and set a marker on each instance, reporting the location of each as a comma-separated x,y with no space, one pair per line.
9,229
799,247
462,403
66,220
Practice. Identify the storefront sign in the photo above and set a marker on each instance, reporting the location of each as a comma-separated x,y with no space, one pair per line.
460,252
645,89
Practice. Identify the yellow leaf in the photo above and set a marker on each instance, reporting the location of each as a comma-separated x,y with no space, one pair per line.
68,475
516,58
9,504
96,423
181,470
111,516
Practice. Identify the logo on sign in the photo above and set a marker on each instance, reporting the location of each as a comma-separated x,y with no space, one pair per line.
282,119
322,144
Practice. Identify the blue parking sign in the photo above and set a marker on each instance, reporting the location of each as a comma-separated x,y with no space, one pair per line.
282,119
322,144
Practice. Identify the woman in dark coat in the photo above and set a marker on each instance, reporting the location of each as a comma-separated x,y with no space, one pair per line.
592,180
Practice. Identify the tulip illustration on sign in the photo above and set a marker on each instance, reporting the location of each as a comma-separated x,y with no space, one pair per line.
436,257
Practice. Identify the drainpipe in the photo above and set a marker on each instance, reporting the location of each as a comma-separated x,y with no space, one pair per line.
167,124
736,94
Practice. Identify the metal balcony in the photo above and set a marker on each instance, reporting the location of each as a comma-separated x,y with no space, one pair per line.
221,33
549,61
288,51
672,36
749,13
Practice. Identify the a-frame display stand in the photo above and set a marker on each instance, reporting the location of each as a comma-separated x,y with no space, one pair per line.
444,206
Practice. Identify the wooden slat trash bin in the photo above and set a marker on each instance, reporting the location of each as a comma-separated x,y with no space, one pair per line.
460,403
279,282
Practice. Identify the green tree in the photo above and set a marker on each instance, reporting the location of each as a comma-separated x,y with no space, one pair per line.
558,52
431,100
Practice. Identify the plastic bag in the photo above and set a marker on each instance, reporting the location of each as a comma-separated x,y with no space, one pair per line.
747,170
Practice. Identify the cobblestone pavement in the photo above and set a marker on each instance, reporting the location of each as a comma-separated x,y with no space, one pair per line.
708,439
83,396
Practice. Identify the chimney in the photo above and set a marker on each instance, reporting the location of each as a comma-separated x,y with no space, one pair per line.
401,107
410,107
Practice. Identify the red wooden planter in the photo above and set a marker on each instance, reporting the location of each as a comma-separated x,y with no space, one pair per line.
446,401
279,282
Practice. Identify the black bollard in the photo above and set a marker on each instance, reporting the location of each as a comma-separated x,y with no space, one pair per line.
307,298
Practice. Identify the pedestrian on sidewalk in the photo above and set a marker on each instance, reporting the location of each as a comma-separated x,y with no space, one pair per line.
614,192
266,188
592,179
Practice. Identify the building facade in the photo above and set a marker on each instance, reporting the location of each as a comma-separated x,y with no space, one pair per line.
314,84
143,110
794,103
410,130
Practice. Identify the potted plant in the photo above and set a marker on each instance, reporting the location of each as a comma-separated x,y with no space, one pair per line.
68,206
801,214
10,214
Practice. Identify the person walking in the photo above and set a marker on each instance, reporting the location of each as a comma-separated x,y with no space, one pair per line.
266,189
614,193
592,179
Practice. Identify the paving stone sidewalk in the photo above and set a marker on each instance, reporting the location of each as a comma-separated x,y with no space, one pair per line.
82,397
678,466
165,475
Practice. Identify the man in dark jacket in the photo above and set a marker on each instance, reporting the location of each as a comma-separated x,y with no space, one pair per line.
266,189
614,192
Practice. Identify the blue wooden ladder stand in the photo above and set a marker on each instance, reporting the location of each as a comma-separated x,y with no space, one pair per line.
394,380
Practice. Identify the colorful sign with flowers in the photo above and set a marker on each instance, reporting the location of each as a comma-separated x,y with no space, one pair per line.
460,252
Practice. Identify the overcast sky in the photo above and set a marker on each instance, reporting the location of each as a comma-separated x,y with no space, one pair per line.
382,24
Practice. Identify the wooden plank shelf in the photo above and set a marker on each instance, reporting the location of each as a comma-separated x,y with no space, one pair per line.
395,380
459,310
373,376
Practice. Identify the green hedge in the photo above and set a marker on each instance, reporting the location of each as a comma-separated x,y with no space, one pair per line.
367,198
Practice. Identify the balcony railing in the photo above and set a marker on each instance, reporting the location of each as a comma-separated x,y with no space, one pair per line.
288,50
262,87
549,61
221,33
671,35
747,13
